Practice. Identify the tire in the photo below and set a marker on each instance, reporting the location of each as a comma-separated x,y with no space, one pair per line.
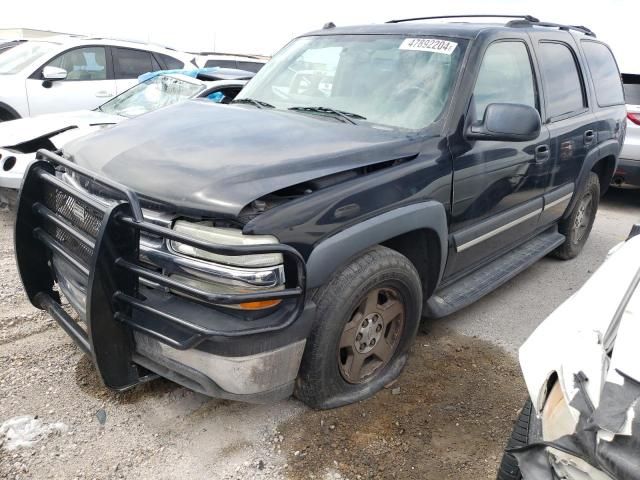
527,429
379,283
577,226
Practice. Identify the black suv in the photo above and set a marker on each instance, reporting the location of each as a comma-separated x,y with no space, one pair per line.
291,242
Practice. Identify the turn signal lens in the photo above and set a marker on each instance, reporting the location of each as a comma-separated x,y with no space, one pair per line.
262,304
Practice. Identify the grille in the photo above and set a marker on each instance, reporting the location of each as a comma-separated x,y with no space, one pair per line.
79,214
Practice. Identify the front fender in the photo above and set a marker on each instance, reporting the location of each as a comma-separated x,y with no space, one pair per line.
334,251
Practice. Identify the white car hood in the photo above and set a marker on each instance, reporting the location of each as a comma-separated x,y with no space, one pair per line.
15,132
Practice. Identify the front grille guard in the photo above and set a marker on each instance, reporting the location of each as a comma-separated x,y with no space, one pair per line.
112,267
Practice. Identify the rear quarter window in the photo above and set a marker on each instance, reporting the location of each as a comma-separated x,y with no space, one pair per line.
631,85
604,73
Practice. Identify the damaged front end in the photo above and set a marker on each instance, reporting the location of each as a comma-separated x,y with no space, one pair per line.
589,409
210,308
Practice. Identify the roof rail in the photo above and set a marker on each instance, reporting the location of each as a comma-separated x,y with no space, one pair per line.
523,17
537,23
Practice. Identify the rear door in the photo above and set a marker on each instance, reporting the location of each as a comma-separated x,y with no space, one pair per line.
89,82
497,186
129,64
568,116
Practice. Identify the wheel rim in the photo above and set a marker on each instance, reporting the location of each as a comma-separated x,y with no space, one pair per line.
371,336
583,218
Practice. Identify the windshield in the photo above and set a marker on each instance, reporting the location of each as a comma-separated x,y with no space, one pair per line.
21,56
152,94
388,80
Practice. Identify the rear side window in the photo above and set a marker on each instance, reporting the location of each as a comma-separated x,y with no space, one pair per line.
250,66
128,63
631,88
221,64
562,81
170,62
505,77
604,72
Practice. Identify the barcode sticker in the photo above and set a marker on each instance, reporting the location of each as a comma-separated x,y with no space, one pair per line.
434,45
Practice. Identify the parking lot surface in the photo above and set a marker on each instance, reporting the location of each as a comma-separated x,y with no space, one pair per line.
447,417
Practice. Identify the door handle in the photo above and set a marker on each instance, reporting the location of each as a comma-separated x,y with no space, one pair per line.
589,136
104,94
542,153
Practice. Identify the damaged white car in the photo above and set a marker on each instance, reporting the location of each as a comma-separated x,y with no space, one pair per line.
21,139
582,370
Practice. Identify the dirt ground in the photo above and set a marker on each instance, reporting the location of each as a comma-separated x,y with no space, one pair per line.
447,417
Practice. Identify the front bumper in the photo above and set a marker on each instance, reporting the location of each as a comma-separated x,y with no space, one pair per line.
11,178
138,321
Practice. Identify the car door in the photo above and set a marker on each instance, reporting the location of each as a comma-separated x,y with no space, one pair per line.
129,64
497,186
571,123
89,82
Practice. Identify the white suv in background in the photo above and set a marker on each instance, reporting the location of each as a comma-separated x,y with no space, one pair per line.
75,73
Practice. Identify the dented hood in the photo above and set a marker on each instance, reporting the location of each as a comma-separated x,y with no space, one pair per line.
78,123
206,158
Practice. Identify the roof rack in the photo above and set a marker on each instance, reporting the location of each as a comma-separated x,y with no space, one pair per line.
523,17
519,21
537,23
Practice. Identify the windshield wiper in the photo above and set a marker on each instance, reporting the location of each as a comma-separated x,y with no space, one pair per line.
253,101
346,116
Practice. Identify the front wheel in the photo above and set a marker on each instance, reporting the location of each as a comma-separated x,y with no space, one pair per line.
577,226
366,319
526,430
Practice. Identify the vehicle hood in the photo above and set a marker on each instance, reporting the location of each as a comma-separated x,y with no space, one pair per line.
80,122
205,158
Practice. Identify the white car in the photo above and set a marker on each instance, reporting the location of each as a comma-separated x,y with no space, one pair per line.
60,74
21,139
627,173
582,370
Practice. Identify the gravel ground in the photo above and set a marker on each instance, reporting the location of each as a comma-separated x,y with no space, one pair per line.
447,417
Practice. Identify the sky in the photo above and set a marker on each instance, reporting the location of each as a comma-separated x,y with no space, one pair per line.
263,27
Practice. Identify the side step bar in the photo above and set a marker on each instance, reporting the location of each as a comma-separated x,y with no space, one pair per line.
468,289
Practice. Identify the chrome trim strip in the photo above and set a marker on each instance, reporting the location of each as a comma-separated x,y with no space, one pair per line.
212,272
560,200
493,233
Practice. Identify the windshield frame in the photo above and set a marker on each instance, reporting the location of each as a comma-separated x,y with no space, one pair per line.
149,81
463,43
32,60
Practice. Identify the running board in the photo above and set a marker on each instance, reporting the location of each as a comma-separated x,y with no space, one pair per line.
486,279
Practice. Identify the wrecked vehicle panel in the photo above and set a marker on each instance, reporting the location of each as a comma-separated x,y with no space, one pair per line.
582,369
21,139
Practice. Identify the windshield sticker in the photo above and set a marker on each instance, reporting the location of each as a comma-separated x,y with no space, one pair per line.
429,45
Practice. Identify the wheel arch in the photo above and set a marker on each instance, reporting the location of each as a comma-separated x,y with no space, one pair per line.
602,161
419,231
7,112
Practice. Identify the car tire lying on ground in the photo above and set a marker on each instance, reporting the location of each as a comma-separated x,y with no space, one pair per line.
527,429
367,317
577,226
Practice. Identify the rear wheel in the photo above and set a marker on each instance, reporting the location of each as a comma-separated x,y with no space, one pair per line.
577,226
366,319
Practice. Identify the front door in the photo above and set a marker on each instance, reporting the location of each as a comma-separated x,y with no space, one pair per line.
87,86
498,186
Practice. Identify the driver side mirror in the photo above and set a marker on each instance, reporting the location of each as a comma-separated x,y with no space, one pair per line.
506,122
54,73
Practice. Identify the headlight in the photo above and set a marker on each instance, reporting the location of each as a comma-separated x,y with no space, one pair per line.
224,236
